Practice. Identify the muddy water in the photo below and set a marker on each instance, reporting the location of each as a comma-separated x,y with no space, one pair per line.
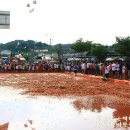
53,113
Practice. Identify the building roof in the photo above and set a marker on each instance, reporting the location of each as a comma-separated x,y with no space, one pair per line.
5,52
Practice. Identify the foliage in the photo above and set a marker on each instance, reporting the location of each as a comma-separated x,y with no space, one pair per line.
122,45
58,50
27,55
81,46
21,46
99,51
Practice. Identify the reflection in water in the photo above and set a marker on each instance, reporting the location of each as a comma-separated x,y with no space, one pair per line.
52,113
122,114
4,126
95,104
121,108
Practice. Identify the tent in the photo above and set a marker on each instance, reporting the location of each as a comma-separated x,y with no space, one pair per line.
109,59
74,59
20,57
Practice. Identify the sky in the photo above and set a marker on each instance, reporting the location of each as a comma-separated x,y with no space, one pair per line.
65,21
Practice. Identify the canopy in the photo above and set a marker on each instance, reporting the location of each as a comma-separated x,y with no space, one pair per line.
19,56
109,59
74,59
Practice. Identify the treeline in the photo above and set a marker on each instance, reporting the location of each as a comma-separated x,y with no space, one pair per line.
23,46
121,46
30,45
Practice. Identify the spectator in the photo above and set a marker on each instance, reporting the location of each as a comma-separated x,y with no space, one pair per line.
75,69
128,69
107,70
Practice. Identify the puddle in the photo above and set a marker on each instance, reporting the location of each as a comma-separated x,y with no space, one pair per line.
52,113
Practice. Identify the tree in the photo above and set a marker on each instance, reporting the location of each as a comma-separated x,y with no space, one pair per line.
58,50
99,51
81,46
122,45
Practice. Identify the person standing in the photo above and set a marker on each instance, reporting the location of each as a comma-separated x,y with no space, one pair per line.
107,70
83,67
124,71
120,70
117,67
75,69
114,69
128,69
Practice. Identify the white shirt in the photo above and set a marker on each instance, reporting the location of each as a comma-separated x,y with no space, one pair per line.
83,66
88,64
117,67
107,69
113,67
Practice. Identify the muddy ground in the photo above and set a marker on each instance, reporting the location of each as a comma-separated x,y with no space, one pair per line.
65,84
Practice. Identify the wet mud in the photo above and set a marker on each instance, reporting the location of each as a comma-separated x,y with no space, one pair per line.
55,101
65,84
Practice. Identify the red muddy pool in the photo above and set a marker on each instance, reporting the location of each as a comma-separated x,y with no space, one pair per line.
55,101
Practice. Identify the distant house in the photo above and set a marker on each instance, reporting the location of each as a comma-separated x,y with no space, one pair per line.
113,54
41,51
5,52
76,55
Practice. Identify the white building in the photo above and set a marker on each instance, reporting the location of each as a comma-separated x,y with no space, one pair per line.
6,52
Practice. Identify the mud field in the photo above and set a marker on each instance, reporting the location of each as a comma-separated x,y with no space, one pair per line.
55,101
65,84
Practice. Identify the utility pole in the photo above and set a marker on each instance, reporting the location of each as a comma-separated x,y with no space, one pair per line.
50,48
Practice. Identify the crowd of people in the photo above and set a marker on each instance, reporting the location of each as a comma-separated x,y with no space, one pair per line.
113,69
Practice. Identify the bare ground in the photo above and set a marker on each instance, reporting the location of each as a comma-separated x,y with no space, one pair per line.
65,84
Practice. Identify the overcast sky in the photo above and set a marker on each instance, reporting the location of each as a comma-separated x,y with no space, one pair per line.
67,20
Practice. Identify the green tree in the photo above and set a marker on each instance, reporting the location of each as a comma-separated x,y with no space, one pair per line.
58,50
122,45
99,51
27,55
81,46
